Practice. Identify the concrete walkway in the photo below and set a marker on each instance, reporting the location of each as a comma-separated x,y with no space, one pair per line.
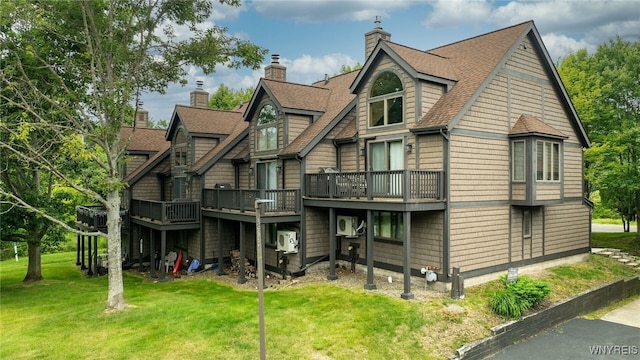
626,315
615,336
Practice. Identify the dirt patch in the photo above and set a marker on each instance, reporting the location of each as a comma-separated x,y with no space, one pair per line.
390,284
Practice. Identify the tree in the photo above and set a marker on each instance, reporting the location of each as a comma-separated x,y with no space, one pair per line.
111,51
605,89
17,177
347,69
226,99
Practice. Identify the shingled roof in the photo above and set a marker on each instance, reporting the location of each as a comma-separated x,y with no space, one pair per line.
424,62
297,96
339,100
148,165
474,59
203,121
531,125
143,139
240,131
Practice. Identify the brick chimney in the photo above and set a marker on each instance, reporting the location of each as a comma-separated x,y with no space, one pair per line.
275,71
199,97
371,38
142,116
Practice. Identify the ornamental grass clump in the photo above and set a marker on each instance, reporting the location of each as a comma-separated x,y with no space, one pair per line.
518,296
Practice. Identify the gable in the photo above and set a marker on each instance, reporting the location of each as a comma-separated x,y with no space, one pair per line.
516,58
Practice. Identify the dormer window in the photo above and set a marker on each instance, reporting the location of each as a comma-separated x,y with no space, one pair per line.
266,129
386,100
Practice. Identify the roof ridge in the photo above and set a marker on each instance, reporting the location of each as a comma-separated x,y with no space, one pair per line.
478,36
298,84
201,108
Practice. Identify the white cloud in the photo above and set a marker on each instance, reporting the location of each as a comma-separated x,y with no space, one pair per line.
308,69
305,69
226,12
559,45
316,11
453,13
565,25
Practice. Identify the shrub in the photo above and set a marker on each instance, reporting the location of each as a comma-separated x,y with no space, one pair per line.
517,297
504,302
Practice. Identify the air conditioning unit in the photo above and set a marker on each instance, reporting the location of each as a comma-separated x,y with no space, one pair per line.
347,225
287,241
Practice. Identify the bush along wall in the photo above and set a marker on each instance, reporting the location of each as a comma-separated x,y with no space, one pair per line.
517,297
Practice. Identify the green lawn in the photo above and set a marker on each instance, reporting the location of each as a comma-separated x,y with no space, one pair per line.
62,317
626,242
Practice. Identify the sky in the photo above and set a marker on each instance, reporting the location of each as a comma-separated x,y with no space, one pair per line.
317,37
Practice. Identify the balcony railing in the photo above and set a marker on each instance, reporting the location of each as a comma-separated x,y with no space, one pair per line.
167,212
95,216
402,184
284,201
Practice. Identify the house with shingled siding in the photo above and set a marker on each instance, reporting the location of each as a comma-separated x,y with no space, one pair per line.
466,156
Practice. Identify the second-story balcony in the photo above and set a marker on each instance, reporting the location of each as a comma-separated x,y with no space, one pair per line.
166,212
406,185
94,217
284,201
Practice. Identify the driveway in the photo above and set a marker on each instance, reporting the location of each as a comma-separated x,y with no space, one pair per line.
610,228
615,336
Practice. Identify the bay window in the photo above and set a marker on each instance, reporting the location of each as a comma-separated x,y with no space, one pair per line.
548,161
518,161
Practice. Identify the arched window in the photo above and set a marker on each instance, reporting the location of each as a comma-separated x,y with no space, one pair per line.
385,100
267,129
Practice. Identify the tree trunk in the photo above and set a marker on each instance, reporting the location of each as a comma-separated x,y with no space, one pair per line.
638,216
34,267
115,297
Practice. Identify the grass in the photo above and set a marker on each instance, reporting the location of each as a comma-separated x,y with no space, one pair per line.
626,242
610,221
62,317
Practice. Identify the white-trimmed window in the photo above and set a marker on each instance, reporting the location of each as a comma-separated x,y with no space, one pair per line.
519,161
548,161
267,129
386,100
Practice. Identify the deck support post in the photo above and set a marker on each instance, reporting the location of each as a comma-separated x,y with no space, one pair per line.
95,255
220,255
152,255
243,254
406,256
163,250
332,245
78,250
89,259
370,285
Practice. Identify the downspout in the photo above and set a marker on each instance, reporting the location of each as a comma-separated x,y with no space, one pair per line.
446,228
